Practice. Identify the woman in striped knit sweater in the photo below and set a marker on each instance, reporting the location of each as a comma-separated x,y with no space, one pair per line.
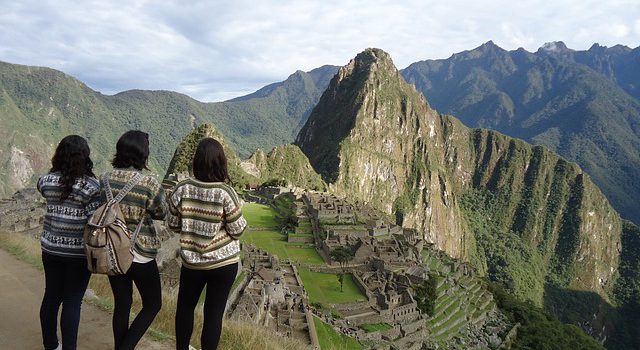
144,202
72,194
206,212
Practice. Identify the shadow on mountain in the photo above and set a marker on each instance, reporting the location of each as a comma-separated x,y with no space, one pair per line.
617,327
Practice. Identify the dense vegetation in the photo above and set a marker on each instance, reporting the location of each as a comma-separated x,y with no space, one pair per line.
538,330
582,104
286,165
520,270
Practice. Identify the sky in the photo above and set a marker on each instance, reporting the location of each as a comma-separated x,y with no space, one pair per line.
217,50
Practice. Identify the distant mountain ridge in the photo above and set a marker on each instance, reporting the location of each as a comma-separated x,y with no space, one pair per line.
39,106
582,104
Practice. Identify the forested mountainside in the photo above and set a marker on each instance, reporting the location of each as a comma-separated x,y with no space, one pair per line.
39,106
522,214
584,105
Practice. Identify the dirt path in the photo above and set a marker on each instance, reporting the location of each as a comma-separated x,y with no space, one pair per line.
21,290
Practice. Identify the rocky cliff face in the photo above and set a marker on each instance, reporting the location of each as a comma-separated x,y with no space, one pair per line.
373,137
286,162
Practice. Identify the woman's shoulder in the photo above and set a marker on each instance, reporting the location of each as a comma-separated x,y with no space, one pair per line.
194,185
90,182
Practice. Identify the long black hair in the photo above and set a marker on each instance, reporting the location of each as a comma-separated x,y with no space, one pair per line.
72,160
132,150
209,162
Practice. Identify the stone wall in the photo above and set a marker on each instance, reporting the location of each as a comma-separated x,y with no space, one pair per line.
22,212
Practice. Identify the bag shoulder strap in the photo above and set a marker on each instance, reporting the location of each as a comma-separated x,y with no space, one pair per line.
124,191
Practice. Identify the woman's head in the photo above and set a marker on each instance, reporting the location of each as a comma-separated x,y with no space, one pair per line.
209,162
72,160
132,150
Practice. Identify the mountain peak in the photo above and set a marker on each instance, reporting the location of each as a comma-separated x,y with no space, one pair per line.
368,59
487,48
489,44
554,47
373,54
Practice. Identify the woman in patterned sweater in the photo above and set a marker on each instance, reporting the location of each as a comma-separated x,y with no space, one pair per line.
72,194
206,212
144,202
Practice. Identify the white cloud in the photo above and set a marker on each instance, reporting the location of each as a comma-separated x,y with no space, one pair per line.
217,50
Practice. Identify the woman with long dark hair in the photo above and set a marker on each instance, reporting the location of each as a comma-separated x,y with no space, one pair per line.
206,212
142,204
72,194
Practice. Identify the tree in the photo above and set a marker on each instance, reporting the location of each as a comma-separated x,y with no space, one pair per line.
426,295
342,255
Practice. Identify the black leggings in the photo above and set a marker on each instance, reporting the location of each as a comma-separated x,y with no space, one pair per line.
218,282
147,280
66,280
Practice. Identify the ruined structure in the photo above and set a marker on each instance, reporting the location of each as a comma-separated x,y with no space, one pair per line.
24,211
273,296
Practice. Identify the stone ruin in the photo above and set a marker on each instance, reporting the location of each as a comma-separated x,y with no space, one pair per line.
273,295
23,212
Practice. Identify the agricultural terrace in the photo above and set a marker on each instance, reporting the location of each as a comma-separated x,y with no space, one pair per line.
330,339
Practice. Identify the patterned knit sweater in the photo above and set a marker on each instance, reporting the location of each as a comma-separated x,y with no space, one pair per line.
209,218
65,220
147,200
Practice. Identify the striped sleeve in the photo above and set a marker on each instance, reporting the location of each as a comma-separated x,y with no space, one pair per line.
94,199
39,184
234,222
157,206
174,219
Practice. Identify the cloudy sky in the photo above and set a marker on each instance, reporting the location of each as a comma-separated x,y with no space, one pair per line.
216,50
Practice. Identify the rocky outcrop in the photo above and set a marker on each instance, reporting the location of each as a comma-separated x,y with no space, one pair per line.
23,212
180,165
286,163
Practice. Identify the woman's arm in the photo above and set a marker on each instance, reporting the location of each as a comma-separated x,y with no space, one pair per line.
234,222
174,218
156,207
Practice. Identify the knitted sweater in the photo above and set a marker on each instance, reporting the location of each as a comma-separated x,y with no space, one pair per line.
209,218
146,199
65,220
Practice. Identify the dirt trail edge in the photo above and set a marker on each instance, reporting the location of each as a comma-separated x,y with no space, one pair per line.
21,290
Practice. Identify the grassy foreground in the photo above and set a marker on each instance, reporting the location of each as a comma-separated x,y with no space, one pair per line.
235,335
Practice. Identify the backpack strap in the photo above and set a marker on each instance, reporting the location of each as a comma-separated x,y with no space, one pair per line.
124,191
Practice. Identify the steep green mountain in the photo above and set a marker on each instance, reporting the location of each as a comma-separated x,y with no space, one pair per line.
180,165
582,104
272,115
286,162
520,213
39,106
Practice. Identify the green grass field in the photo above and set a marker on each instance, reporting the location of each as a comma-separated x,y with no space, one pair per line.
259,215
275,243
330,339
324,288
372,327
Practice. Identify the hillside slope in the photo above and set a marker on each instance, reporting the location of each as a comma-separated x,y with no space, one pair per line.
520,213
39,106
582,104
